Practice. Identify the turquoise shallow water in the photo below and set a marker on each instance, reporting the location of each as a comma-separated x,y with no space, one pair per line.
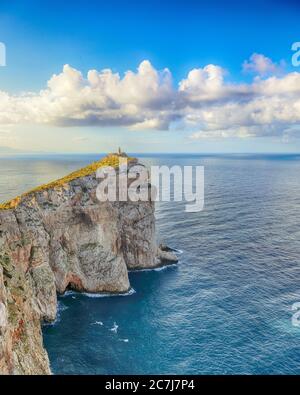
225,308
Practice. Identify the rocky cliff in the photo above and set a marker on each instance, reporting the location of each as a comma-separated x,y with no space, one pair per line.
61,237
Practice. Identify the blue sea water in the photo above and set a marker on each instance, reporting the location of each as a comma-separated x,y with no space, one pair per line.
226,308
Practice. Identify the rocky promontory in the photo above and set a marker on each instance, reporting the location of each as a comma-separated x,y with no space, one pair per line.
59,237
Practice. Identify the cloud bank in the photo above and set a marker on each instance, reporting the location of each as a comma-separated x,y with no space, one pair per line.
203,103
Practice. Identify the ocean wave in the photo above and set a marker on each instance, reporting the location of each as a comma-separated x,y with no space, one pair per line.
159,269
108,295
68,293
114,328
155,269
177,251
98,295
61,307
98,323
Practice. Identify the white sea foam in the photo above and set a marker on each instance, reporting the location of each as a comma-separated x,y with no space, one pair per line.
114,328
99,295
97,323
155,269
61,307
159,269
178,251
68,293
108,295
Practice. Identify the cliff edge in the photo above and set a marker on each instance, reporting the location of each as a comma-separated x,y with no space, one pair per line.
58,237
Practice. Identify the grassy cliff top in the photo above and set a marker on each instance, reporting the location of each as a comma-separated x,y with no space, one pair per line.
109,160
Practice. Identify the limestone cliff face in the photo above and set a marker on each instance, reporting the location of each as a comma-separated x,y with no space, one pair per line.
59,238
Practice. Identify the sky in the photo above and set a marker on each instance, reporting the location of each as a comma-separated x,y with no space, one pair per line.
156,76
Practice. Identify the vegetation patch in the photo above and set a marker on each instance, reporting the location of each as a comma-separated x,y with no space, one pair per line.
111,160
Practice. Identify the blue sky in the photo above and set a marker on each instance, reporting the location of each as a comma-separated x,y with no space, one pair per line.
42,36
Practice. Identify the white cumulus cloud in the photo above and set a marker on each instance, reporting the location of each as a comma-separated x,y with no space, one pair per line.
262,65
203,103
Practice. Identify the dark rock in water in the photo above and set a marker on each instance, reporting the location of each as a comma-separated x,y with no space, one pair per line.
165,255
164,247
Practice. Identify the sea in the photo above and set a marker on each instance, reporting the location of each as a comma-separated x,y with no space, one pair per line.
225,308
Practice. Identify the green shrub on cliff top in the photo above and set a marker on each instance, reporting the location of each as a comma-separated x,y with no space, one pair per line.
110,160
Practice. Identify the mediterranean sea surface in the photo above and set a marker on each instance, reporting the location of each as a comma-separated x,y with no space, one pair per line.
225,308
